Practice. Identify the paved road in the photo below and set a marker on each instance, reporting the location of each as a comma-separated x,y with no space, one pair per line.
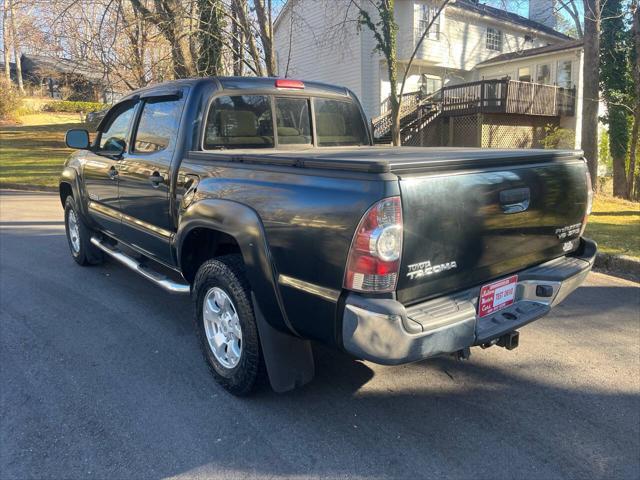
101,377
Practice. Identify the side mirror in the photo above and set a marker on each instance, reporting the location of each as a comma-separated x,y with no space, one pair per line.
77,138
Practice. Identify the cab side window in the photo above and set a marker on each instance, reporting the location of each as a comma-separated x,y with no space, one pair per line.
158,126
114,135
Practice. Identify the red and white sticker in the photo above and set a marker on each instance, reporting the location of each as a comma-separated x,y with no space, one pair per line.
497,295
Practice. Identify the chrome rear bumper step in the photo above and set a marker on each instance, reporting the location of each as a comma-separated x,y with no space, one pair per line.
159,279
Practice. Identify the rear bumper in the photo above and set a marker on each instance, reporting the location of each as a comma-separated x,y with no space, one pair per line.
385,332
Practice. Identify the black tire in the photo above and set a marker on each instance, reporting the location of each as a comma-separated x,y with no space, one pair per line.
228,274
86,253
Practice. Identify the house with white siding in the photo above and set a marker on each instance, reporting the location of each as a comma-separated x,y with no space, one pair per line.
482,77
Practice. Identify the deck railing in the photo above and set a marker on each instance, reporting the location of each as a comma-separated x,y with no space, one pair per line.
508,96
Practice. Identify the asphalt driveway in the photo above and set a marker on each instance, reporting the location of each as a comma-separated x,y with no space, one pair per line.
101,377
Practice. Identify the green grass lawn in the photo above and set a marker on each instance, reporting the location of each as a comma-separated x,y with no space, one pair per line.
615,225
32,154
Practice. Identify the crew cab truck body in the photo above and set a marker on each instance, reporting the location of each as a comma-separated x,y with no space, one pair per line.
265,200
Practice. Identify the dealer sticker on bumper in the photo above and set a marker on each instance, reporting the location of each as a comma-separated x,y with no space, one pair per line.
497,295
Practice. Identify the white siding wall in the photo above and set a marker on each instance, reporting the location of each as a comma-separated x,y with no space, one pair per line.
319,49
323,49
462,42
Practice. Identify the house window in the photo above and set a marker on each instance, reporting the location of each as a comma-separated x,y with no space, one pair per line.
564,74
543,74
425,14
429,84
494,39
524,74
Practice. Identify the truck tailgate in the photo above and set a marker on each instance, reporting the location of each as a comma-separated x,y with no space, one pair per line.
469,226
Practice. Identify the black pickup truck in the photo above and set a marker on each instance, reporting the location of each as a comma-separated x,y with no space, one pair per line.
265,200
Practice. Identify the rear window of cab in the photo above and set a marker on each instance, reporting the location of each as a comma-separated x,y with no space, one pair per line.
246,121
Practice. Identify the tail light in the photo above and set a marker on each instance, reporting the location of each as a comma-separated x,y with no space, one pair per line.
288,83
374,256
589,203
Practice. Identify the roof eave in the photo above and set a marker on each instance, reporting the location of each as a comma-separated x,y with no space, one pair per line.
553,33
490,63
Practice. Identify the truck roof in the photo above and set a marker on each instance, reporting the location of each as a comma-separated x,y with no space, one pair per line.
263,84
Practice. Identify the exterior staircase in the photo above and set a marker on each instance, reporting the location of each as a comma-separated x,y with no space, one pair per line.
502,96
416,112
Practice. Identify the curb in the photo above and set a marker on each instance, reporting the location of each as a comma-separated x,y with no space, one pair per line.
618,263
27,188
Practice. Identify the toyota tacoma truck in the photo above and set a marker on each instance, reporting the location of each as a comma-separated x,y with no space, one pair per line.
266,202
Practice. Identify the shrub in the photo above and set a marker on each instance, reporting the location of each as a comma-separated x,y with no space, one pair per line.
73,107
557,137
9,100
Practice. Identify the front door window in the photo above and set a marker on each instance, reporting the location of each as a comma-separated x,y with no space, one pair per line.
114,136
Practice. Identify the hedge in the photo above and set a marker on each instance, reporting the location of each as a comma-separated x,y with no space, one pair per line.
73,107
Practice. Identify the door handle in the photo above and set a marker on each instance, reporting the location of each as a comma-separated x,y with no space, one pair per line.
156,179
113,173
515,200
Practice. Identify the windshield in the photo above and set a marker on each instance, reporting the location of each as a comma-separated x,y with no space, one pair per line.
246,121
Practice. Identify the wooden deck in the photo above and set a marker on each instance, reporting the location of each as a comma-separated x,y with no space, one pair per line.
507,96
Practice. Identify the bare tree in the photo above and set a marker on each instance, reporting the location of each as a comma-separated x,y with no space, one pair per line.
384,30
6,41
265,24
245,25
591,84
237,40
16,47
169,17
571,8
634,177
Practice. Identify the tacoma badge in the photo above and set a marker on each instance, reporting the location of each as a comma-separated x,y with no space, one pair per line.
423,269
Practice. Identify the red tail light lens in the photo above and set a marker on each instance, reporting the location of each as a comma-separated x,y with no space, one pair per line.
287,83
374,257
589,203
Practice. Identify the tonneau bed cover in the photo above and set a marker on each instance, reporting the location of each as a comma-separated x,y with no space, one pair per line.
397,160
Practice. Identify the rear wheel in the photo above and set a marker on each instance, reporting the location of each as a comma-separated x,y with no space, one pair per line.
79,236
226,325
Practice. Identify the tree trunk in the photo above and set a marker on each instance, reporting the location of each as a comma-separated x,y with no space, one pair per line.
395,102
618,141
6,43
591,82
237,41
633,153
248,34
211,30
266,35
169,18
16,48
635,29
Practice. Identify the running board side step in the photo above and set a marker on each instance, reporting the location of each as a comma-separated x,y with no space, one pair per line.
159,279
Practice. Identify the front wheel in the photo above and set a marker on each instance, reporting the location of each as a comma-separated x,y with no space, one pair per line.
226,324
79,236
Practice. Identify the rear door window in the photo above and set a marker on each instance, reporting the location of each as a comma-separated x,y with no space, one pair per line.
339,123
293,121
239,121
158,125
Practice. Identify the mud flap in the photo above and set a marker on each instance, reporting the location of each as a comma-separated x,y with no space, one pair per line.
289,359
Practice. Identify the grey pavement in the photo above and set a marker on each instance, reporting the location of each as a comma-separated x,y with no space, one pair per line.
101,377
